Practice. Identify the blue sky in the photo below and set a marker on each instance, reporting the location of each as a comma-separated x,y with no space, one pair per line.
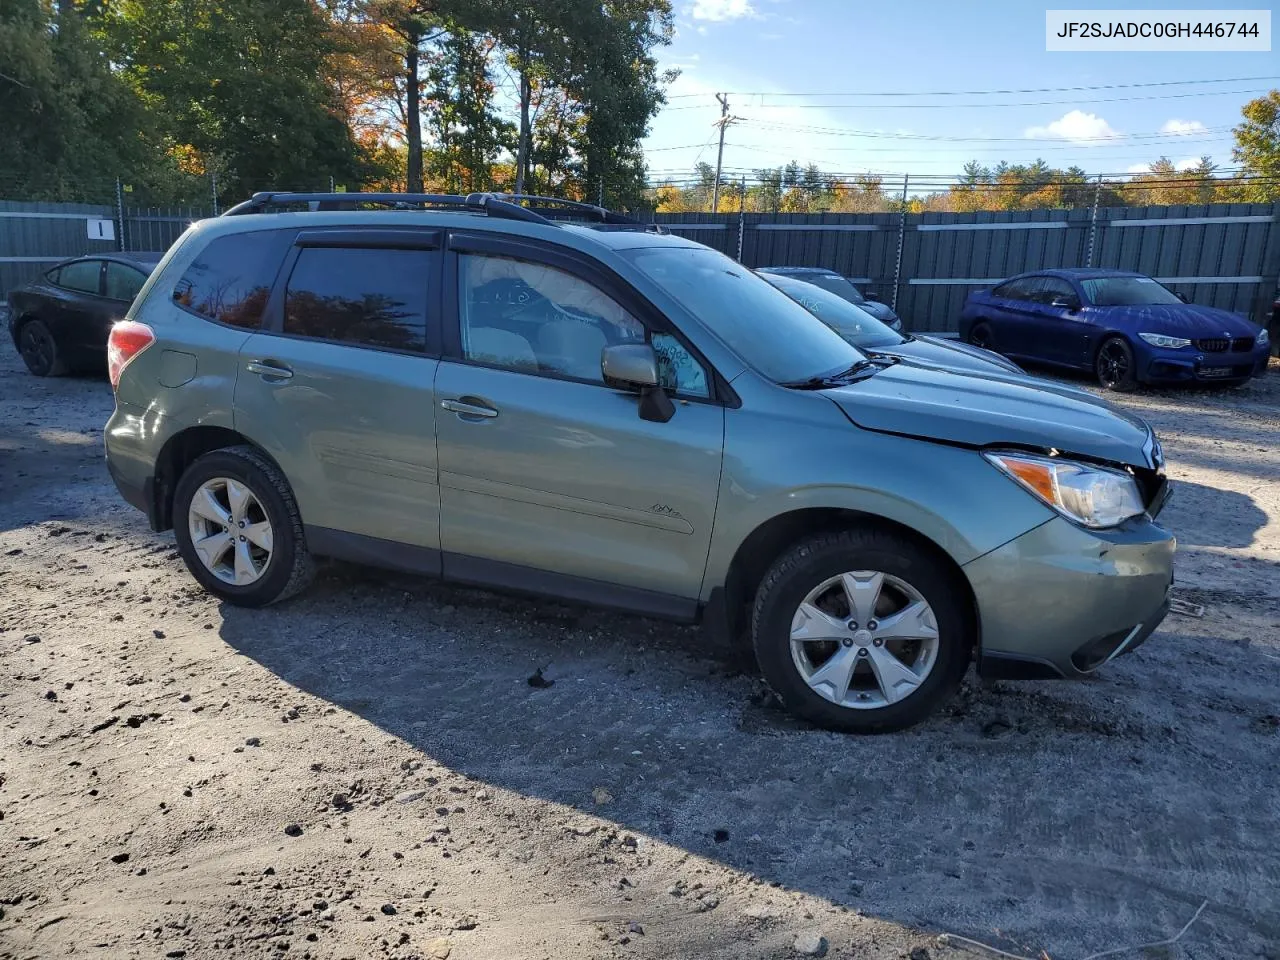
780,48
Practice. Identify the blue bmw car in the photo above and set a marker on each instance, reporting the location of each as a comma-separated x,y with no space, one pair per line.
1125,328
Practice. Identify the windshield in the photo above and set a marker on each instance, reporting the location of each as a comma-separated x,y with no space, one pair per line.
852,322
768,329
836,284
1127,292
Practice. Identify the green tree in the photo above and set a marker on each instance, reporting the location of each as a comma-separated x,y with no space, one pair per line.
71,125
1257,149
469,133
615,76
1165,185
240,87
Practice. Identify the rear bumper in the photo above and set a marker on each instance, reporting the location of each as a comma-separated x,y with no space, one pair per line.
1061,601
129,458
135,494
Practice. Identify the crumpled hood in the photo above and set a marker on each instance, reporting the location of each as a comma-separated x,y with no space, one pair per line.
1188,320
982,410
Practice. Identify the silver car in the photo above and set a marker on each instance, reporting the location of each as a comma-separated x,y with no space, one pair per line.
475,391
874,338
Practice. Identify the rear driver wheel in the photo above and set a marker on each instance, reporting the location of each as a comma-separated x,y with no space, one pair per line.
39,349
980,336
238,528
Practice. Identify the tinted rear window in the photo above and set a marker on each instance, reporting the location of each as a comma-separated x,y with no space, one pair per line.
373,297
231,278
81,276
835,284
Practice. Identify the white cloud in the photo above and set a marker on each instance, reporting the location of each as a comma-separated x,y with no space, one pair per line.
1183,127
721,9
1076,125
1186,163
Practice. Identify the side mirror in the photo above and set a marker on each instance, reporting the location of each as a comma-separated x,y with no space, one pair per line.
873,297
1182,297
1065,303
634,367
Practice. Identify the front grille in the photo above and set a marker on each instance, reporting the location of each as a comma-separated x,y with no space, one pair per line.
1243,345
1151,484
1213,345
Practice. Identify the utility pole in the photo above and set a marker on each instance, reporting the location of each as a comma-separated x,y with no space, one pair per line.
723,122
742,215
902,236
1093,221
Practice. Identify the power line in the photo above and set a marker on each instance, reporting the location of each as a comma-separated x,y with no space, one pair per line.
954,106
972,93
880,135
1190,145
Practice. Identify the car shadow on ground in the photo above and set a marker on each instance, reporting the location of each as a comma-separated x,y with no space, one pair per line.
927,828
1203,516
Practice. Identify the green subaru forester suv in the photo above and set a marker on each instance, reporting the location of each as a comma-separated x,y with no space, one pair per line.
545,397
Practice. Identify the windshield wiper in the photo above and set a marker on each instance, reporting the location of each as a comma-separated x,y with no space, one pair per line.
862,368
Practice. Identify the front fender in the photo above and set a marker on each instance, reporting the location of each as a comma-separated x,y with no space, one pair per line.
800,452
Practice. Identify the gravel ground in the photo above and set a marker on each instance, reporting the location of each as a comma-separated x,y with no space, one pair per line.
367,772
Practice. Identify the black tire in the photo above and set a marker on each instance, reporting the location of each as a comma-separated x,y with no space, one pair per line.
807,565
1114,365
290,567
980,336
39,349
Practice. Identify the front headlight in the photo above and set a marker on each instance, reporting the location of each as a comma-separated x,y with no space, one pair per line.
1160,340
1263,338
1093,496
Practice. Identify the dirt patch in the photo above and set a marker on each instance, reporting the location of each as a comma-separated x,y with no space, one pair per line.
367,771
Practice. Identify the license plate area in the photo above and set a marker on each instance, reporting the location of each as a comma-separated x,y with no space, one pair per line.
1216,373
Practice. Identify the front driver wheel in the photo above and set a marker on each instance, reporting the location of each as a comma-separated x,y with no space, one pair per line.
861,631
1114,365
238,528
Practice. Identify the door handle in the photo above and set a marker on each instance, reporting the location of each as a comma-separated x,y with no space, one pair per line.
268,368
464,409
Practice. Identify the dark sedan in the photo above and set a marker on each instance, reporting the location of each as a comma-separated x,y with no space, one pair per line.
60,321
1126,328
869,335
842,287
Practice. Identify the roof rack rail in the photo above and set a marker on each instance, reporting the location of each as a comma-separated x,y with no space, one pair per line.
507,206
551,206
492,205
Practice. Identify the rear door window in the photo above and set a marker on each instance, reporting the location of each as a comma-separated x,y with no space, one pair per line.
1020,289
1052,288
231,278
1029,288
83,276
122,281
368,296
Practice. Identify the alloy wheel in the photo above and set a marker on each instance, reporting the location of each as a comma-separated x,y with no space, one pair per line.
864,639
230,531
36,347
1113,363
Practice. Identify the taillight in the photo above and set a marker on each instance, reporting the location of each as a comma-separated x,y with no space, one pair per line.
128,339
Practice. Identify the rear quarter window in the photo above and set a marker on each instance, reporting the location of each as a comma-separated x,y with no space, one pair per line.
374,297
231,278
